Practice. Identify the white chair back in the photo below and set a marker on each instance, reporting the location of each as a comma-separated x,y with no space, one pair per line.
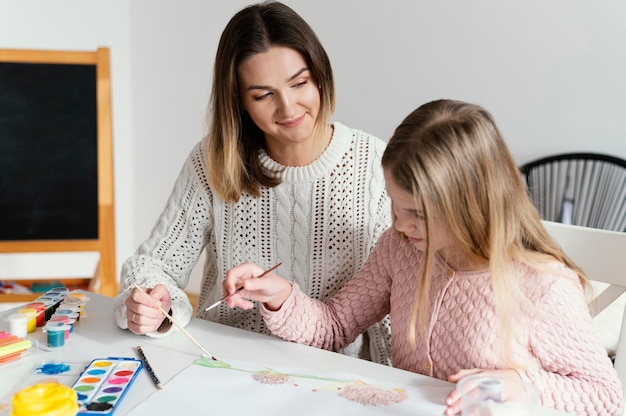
602,255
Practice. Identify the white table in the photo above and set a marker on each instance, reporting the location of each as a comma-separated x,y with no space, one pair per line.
97,336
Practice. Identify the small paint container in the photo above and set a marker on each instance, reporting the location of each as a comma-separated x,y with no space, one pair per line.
56,334
61,290
56,297
40,307
67,312
65,307
18,324
66,320
71,302
45,399
31,313
79,295
49,302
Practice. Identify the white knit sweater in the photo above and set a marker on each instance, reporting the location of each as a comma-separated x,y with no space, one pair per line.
321,222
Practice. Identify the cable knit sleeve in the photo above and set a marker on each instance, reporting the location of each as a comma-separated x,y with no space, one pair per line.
576,375
363,301
168,256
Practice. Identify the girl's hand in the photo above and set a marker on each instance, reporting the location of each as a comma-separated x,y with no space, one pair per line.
453,401
271,289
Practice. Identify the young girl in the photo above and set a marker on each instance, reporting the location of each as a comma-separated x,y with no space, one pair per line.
471,279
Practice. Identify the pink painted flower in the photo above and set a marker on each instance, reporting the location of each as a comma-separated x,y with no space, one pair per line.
367,394
269,377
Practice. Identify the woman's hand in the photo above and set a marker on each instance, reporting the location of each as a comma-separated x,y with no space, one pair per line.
453,401
142,309
271,289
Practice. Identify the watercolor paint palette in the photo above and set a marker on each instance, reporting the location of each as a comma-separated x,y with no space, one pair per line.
103,384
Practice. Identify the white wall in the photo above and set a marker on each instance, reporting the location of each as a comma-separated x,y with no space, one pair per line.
550,71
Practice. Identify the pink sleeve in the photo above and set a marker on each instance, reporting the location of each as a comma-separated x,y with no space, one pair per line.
363,301
577,375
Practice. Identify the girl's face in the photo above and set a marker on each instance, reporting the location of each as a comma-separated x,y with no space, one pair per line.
279,93
411,222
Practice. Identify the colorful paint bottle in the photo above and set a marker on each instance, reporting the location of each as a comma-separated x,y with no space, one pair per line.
74,303
66,320
32,318
50,399
78,295
50,303
56,334
40,307
60,290
81,296
67,312
18,324
57,297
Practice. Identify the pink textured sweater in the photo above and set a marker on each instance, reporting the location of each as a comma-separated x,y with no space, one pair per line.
554,337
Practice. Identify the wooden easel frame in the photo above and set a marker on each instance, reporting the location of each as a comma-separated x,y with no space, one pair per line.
104,280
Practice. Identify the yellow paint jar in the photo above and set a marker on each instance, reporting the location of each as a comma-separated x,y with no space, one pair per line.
50,399
32,318
78,295
40,307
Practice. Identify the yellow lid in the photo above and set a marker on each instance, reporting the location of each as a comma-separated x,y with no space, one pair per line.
50,399
30,312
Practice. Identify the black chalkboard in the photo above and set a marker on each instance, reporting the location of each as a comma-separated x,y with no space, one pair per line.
56,157
48,151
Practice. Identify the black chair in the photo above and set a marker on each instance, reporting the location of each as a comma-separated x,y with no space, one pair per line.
586,189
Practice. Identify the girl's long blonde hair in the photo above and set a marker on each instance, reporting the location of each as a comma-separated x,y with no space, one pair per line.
452,157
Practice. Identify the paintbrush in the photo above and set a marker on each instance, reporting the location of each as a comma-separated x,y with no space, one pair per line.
208,354
241,288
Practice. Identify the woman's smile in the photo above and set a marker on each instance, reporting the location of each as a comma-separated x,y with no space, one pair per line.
293,123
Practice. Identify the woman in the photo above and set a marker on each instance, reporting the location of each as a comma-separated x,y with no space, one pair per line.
469,276
273,181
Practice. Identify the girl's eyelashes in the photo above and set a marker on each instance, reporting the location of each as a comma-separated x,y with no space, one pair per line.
418,215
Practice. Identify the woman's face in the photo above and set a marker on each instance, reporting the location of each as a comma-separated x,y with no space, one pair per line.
280,95
411,222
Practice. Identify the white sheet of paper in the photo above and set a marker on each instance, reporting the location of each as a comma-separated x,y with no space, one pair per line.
248,388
